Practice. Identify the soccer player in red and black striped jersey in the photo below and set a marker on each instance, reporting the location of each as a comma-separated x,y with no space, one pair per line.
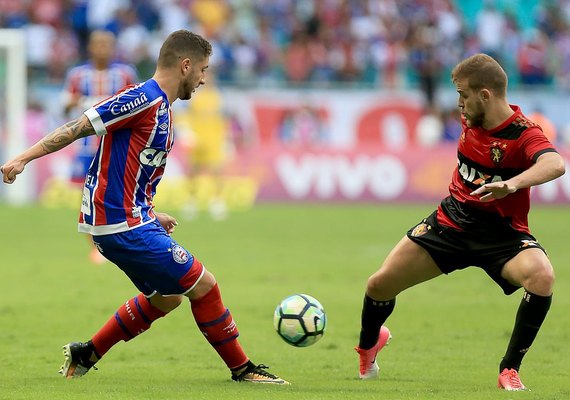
135,131
483,222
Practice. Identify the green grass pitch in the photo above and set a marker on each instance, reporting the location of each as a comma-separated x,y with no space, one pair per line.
449,334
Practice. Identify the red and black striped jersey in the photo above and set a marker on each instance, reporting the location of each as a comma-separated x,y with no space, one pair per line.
485,156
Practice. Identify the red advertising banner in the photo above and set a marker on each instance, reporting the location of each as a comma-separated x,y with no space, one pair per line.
277,174
365,174
295,145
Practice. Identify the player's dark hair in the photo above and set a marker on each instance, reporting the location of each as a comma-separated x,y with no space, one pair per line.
482,72
183,44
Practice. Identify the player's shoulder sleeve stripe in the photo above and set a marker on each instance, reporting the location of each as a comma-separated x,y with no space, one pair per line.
96,121
541,152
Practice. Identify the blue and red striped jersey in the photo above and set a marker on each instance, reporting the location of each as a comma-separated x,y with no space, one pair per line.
135,127
94,85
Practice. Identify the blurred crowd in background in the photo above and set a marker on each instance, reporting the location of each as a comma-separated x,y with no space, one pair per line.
394,43
368,44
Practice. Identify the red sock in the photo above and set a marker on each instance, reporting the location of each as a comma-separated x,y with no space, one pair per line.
131,319
216,323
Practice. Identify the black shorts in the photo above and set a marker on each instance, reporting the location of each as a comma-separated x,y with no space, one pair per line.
452,249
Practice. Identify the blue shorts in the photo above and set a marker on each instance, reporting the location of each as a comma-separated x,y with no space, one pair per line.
152,260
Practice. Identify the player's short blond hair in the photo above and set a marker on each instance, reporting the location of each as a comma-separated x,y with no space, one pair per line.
482,72
183,44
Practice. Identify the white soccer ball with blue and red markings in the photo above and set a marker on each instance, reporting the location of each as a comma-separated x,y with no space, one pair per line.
300,320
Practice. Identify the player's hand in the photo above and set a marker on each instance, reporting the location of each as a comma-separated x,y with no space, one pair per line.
168,222
494,191
10,170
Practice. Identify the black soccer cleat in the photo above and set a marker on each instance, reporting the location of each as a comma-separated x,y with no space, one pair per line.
78,359
257,374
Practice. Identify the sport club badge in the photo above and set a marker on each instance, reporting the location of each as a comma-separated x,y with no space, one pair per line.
179,254
497,151
420,229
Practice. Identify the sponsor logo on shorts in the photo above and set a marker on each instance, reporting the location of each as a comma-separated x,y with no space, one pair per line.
421,229
179,254
528,243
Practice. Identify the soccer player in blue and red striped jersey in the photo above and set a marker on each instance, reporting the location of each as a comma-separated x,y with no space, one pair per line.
86,85
483,222
135,131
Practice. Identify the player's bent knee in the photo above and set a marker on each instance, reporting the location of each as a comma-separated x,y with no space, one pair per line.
379,288
541,281
203,286
166,303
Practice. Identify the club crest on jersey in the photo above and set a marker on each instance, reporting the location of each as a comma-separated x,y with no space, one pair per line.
420,229
179,254
497,151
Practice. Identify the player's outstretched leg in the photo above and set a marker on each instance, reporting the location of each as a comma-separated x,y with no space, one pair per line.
132,318
218,327
368,366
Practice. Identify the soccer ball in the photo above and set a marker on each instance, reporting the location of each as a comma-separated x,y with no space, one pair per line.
300,320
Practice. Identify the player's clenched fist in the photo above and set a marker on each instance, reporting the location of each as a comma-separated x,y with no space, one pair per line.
10,170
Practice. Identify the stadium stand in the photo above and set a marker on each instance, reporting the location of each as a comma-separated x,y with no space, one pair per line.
365,43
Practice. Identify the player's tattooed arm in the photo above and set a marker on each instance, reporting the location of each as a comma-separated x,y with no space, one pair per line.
58,139
66,134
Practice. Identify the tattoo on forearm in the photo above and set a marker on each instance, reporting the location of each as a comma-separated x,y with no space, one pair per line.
67,134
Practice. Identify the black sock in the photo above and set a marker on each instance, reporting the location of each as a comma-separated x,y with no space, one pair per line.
374,314
530,315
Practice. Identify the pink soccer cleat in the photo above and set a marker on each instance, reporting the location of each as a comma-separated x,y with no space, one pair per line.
368,366
509,380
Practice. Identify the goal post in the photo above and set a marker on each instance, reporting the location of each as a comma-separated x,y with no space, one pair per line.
13,118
